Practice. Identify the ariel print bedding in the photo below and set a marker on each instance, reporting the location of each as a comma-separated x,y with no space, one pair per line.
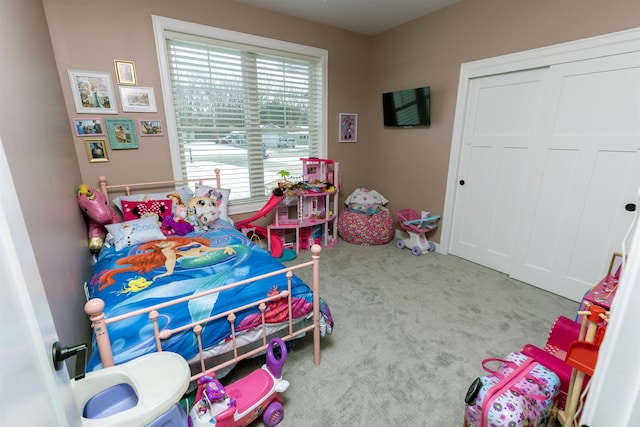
171,269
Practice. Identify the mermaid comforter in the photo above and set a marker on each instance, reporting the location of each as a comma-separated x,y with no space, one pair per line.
163,270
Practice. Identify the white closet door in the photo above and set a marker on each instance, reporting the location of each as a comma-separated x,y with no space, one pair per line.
586,168
502,115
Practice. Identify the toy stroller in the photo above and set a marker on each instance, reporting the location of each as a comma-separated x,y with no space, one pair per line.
417,225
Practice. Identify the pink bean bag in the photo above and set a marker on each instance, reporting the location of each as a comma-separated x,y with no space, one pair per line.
364,229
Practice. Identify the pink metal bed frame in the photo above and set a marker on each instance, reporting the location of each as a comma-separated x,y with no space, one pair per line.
99,322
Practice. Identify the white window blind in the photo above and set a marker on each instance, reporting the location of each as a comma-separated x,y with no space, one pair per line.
247,110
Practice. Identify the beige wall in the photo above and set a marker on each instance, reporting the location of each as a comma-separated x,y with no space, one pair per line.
430,50
35,135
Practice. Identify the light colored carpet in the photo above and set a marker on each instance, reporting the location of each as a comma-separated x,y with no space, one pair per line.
410,333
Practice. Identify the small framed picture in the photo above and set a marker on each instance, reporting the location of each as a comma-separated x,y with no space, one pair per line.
138,99
92,92
125,72
97,150
122,134
348,127
92,126
150,128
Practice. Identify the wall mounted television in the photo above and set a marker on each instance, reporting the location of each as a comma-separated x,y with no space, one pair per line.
407,108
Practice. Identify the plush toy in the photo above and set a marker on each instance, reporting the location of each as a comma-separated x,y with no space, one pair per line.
206,211
179,227
95,206
366,201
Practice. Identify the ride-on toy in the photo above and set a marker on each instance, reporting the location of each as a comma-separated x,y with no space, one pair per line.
417,226
242,402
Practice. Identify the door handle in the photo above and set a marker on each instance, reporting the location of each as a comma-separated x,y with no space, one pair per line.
462,182
59,354
631,207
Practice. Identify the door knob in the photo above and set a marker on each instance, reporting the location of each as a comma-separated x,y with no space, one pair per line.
60,354
631,207
462,182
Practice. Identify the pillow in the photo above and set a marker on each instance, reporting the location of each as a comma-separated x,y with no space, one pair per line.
129,233
219,195
154,208
184,195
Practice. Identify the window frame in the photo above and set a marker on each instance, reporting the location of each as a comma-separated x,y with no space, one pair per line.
163,24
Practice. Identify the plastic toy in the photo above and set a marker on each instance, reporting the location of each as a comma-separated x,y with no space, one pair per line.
242,402
95,206
417,226
245,225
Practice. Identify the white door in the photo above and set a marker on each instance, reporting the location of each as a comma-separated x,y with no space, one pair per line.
33,393
501,119
586,168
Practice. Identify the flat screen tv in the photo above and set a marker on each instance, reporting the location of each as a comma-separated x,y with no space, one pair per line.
407,108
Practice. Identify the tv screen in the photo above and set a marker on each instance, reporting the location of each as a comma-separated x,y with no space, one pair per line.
410,107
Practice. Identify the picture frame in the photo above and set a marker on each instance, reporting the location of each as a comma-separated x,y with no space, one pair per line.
137,99
92,92
88,126
125,72
348,127
122,134
616,262
150,127
97,150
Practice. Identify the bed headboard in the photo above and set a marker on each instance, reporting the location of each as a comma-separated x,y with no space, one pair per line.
127,188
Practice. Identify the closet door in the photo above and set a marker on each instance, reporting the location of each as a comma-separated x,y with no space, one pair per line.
586,169
501,118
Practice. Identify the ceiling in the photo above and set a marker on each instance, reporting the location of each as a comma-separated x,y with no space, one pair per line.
367,17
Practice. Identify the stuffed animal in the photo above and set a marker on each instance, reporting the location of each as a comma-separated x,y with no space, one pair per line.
179,227
366,201
95,206
206,211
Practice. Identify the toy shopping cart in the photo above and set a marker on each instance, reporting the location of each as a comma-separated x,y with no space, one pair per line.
417,225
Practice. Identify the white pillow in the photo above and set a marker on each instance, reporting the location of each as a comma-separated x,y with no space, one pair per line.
134,232
217,194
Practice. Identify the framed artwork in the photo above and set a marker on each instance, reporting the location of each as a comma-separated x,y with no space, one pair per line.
96,150
348,127
138,99
150,128
92,126
125,72
92,92
122,134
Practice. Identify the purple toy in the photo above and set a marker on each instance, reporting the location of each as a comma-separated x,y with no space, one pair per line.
180,227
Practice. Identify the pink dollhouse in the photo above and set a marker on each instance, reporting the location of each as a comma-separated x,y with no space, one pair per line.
309,216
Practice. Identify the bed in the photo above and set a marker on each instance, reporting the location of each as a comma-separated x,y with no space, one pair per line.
212,295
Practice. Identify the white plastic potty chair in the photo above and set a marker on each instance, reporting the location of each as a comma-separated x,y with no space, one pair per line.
134,393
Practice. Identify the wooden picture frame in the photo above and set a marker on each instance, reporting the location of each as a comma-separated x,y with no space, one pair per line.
92,92
348,127
150,127
122,134
88,126
97,150
138,99
125,72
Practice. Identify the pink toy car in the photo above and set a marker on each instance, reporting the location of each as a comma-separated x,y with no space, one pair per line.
242,402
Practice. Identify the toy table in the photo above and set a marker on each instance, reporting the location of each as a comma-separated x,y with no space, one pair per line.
594,296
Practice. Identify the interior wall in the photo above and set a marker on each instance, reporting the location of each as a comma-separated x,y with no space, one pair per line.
430,51
35,135
89,38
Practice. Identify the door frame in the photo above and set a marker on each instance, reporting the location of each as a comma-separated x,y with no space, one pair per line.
593,47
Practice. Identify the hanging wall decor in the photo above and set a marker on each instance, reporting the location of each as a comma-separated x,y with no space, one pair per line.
348,127
92,92
122,134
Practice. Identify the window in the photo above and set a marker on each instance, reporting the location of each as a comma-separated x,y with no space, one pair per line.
247,105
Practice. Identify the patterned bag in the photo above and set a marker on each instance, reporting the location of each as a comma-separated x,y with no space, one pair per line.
520,393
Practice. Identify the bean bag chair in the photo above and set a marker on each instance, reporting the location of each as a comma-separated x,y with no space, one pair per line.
366,229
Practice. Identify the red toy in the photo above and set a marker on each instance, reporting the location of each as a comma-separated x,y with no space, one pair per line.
242,402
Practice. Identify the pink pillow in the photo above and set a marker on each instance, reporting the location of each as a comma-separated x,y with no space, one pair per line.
135,210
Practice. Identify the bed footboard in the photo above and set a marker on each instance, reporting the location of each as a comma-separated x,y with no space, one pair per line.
100,323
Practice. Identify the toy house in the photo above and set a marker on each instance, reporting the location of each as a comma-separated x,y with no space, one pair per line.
309,216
